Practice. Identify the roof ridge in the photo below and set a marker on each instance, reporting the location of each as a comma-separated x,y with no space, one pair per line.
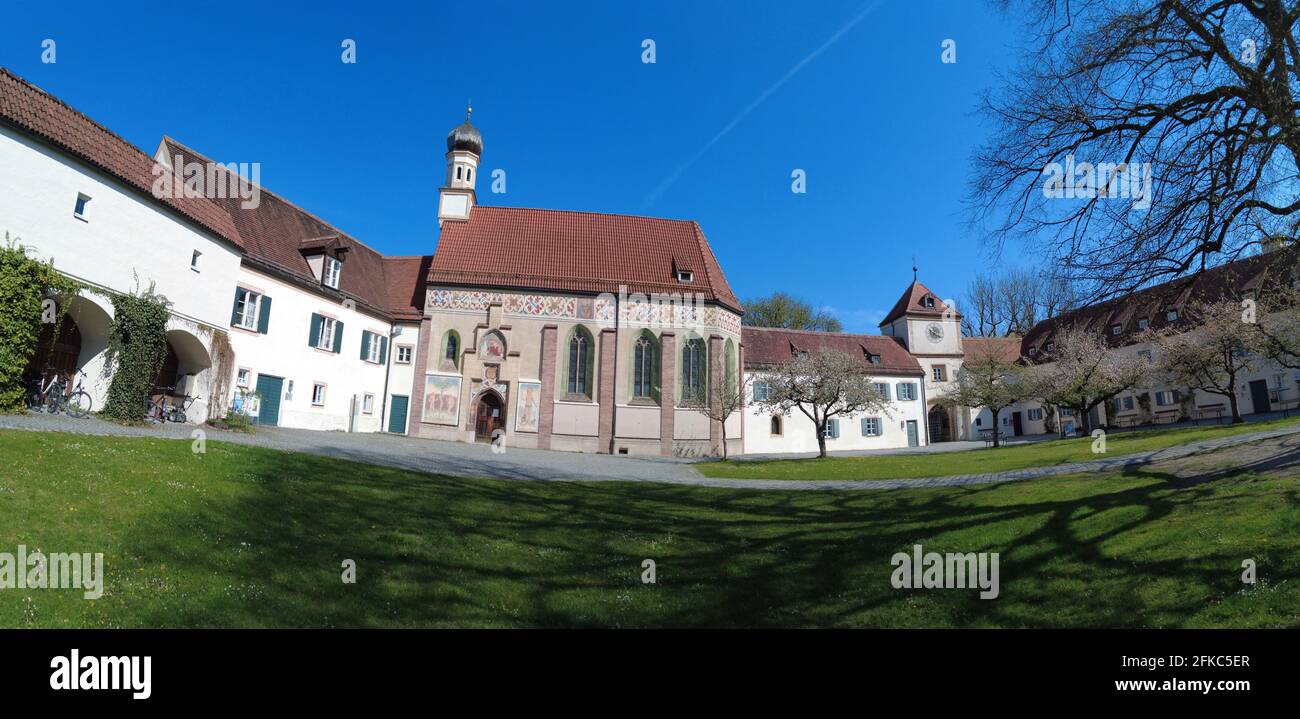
819,333
64,103
581,212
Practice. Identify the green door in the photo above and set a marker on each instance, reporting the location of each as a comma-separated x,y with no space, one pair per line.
397,416
913,437
270,389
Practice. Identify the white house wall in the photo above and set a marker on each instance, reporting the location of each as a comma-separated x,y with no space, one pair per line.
126,240
800,434
284,352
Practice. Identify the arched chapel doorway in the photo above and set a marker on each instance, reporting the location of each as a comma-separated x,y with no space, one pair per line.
489,415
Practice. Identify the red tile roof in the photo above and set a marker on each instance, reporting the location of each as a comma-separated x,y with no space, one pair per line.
1230,280
277,232
768,346
512,247
405,280
1006,349
910,304
34,112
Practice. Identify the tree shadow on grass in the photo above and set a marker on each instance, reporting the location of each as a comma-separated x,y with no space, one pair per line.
442,551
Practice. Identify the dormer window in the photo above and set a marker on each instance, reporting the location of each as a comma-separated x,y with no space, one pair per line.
1144,323
1033,351
1171,316
873,359
685,276
1049,347
927,302
1116,330
333,268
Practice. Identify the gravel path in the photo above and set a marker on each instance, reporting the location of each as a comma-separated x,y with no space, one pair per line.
477,460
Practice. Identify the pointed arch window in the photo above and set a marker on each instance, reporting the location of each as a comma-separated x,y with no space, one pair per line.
449,358
644,361
693,370
579,365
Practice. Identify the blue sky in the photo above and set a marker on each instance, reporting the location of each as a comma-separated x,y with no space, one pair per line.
711,131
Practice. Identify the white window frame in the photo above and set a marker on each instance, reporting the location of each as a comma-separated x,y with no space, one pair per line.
372,352
686,276
288,390
1116,330
874,422
367,403
243,377
911,390
762,390
831,424
331,272
403,349
325,340
318,388
247,321
82,200
938,373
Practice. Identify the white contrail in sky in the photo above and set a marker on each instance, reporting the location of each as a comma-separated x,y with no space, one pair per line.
667,183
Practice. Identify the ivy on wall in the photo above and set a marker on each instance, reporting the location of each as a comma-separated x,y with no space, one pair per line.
25,286
137,347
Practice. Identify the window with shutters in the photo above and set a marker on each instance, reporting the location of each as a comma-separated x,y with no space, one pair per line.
870,426
246,305
325,339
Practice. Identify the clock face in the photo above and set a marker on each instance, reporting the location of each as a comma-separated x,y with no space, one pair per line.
935,332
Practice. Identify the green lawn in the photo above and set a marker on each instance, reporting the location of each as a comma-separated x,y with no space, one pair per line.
942,464
254,538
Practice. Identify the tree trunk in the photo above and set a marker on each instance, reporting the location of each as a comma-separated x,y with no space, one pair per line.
1085,419
1236,409
821,440
997,436
724,440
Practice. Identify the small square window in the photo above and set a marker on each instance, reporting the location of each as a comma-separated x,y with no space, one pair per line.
1116,330
1051,346
873,359
1171,316
403,354
288,391
194,260
243,378
368,404
938,373
318,394
79,211
685,276
1143,323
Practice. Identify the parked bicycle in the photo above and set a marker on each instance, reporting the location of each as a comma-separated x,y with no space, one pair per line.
56,396
158,409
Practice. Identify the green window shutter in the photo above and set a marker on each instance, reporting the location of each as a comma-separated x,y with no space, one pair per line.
313,338
383,350
264,315
338,337
365,344
234,310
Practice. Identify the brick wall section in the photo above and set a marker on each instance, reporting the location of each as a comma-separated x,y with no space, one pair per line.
667,391
740,382
717,371
547,418
608,359
416,410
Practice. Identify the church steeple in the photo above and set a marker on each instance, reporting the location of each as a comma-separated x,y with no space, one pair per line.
464,147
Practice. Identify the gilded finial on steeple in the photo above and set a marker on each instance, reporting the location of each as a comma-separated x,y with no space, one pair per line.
469,109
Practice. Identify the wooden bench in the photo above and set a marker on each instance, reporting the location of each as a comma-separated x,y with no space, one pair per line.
1214,411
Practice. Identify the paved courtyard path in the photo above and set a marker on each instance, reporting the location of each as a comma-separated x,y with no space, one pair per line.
477,460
